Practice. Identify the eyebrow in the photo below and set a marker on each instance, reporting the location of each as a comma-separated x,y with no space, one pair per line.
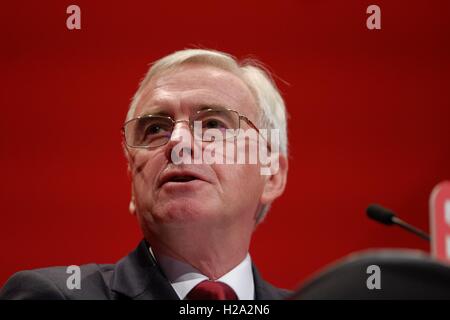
200,107
155,113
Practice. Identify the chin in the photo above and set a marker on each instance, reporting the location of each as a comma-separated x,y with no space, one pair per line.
182,211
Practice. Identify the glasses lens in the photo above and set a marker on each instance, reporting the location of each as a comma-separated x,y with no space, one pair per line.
217,124
148,131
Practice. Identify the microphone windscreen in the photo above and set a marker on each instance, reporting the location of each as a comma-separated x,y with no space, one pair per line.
380,214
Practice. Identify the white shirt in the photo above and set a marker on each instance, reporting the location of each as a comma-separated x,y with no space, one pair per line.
183,277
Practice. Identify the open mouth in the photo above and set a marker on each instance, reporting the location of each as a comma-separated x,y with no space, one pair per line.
181,179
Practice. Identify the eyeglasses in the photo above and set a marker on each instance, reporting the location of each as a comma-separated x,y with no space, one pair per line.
151,131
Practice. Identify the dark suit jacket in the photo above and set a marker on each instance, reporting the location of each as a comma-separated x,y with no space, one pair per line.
136,276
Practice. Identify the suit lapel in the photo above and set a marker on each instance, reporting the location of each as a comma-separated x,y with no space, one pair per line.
137,276
264,290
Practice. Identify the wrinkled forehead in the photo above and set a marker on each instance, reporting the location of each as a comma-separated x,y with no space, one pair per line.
191,85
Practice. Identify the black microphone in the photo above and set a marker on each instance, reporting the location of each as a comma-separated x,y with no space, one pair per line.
387,217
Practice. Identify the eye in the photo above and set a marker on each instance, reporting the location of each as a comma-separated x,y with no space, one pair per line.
153,129
156,127
214,124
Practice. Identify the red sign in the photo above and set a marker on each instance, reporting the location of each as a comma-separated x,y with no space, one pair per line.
440,221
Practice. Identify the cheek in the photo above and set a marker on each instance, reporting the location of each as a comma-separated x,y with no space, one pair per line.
147,167
241,181
141,186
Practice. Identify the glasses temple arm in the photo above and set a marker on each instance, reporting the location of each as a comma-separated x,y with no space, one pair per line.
249,122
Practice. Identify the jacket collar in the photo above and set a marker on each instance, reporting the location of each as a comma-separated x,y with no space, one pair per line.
137,276
266,291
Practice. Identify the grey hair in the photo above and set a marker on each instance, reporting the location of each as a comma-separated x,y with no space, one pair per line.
258,79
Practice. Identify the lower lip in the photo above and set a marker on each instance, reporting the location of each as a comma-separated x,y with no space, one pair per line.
180,185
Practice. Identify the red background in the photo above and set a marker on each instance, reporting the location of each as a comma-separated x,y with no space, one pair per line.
369,122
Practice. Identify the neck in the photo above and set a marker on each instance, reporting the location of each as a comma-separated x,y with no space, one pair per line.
212,253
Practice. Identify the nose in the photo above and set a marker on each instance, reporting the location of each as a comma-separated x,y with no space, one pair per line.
180,130
179,149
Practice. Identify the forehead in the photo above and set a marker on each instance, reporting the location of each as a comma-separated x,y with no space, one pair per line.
193,85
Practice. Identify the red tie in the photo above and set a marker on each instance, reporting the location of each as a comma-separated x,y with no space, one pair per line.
211,290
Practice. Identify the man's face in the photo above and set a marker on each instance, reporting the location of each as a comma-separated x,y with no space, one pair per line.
222,194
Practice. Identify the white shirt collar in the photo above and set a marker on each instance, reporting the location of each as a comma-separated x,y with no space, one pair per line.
184,277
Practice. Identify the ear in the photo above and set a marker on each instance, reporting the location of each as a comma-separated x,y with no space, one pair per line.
128,156
275,182
132,205
126,153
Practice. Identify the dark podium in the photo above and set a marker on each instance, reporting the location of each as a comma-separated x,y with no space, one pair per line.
403,274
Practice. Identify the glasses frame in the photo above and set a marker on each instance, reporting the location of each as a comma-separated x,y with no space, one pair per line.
190,124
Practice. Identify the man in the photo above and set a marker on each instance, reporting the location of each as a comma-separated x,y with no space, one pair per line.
197,202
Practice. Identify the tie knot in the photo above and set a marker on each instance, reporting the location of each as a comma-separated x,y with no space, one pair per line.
212,290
